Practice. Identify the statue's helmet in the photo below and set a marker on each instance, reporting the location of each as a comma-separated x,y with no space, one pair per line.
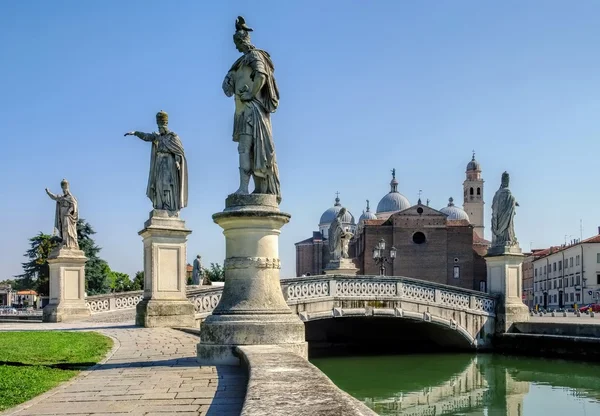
162,118
64,182
242,31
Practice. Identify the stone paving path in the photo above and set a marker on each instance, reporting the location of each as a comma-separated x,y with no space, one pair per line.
152,371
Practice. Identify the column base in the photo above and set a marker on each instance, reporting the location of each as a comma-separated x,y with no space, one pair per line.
220,334
341,267
156,313
64,313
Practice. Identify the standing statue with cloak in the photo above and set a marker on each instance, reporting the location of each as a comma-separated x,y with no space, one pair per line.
168,178
252,83
339,238
66,216
503,214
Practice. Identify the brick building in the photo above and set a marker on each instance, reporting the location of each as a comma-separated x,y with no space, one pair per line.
443,246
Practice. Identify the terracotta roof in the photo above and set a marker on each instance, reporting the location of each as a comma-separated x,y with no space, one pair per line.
26,292
479,240
375,222
556,249
307,241
457,223
189,267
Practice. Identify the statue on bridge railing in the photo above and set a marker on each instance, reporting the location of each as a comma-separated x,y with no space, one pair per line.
339,238
503,214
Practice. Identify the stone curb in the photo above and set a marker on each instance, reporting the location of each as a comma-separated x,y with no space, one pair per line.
77,378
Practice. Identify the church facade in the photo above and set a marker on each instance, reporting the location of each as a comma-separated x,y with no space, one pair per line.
443,246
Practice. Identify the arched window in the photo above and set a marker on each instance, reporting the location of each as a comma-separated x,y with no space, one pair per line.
471,191
478,191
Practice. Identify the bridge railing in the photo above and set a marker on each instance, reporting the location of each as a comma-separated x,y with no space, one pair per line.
302,289
299,290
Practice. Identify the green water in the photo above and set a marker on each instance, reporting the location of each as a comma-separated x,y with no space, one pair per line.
457,384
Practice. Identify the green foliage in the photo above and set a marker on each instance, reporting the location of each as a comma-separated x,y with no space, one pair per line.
36,273
120,282
15,284
38,353
97,272
138,281
216,273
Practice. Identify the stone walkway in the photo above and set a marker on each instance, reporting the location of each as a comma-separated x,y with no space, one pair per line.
149,371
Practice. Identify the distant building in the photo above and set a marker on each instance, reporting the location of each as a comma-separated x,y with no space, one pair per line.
568,274
444,246
25,298
6,295
528,276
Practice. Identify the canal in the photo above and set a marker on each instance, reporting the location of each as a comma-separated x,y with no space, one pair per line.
465,384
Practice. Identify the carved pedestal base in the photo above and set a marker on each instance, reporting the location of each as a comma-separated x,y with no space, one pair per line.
67,287
343,267
252,309
165,302
505,278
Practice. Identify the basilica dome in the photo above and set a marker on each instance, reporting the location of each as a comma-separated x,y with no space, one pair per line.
330,214
453,212
394,201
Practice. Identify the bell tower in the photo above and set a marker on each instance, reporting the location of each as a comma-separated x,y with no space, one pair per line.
473,196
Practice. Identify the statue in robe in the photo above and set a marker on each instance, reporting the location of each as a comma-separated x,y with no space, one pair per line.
66,216
251,82
503,213
197,270
168,178
339,238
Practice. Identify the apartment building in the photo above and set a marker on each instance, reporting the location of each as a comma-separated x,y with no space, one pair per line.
567,275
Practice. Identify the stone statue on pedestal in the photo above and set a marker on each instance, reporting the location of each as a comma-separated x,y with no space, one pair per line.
503,213
252,83
339,238
168,178
66,216
197,270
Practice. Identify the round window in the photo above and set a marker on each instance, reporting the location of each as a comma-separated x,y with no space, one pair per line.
419,237
420,210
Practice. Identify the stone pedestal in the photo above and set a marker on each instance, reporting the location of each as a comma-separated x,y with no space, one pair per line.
343,267
165,303
252,309
67,287
505,278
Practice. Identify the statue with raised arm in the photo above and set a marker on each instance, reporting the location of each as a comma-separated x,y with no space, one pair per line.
503,213
168,178
339,238
66,217
252,84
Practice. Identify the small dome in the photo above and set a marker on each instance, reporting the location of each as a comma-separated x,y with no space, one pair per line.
330,214
453,212
473,164
394,201
366,215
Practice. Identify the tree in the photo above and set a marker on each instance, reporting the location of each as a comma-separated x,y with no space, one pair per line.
120,282
36,272
216,273
138,281
97,272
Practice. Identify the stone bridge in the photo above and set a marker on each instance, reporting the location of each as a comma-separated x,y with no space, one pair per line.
342,309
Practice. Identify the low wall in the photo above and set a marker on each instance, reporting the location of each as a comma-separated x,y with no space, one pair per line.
281,383
572,329
543,345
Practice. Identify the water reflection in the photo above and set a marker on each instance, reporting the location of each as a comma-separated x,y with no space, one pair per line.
467,385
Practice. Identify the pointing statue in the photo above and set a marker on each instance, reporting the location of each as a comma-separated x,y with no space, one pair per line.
252,83
66,217
503,213
339,238
168,178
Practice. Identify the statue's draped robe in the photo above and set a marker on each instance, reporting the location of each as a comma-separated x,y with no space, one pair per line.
197,270
167,185
336,232
503,213
65,220
254,118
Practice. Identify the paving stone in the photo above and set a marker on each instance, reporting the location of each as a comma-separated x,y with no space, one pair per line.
152,371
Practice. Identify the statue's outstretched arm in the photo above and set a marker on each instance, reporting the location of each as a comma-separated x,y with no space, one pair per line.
147,137
51,195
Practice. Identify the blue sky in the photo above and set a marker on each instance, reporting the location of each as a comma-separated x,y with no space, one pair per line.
365,86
